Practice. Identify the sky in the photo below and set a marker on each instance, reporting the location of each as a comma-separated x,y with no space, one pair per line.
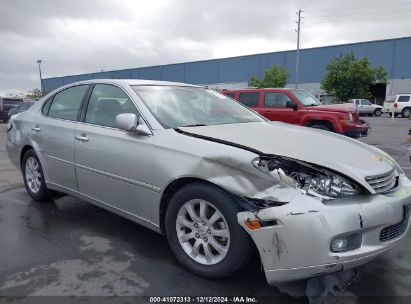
81,36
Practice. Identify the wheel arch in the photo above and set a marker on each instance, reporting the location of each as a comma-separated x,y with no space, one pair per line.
172,188
23,152
325,122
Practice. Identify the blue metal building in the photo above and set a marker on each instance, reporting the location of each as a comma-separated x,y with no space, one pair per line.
393,54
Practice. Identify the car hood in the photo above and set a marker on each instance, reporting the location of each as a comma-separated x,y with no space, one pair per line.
339,153
345,108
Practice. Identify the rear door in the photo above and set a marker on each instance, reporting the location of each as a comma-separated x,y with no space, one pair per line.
403,101
113,166
250,99
53,135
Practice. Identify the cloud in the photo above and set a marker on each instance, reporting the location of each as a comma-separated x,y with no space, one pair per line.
73,37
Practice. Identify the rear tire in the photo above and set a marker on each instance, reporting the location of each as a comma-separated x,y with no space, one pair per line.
377,112
195,239
406,113
33,177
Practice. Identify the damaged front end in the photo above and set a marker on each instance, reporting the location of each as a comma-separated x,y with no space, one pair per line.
310,179
318,221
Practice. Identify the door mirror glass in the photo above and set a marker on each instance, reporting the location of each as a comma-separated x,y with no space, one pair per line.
127,121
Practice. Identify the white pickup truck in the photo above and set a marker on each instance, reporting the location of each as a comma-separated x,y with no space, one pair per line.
365,107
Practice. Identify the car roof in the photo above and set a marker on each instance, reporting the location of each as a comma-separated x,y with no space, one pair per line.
133,82
263,89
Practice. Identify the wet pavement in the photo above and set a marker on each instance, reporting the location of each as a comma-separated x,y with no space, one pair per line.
69,247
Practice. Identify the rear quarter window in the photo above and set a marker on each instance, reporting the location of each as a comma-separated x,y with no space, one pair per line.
249,99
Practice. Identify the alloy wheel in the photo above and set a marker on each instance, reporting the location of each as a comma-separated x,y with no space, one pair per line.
33,174
203,232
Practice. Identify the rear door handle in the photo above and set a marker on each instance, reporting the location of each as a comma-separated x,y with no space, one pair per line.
36,129
83,137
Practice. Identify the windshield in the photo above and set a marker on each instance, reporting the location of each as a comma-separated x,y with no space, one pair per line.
306,98
177,107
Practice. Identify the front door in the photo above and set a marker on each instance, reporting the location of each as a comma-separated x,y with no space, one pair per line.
275,108
113,166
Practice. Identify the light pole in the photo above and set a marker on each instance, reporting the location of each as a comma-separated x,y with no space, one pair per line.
41,79
297,60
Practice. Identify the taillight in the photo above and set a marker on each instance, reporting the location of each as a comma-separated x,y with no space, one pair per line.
395,105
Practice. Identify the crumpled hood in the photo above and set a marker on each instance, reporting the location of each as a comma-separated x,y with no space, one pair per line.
327,149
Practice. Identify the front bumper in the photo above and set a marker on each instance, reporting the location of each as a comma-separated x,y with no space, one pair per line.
296,243
357,130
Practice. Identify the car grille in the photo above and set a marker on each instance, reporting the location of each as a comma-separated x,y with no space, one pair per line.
383,182
393,231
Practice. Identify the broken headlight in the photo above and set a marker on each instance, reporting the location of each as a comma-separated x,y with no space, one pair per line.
311,180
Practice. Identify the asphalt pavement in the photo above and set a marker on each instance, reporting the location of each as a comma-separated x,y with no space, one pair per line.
68,247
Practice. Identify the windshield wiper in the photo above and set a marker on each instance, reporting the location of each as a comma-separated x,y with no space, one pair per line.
311,105
193,125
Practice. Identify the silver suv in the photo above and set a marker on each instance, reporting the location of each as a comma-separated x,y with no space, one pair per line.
214,177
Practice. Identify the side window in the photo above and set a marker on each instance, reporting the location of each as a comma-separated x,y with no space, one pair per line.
276,100
249,99
357,102
106,102
66,104
403,99
365,102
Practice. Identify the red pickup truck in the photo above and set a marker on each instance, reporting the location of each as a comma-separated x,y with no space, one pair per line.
301,108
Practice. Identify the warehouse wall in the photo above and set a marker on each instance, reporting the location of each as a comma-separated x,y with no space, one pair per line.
392,54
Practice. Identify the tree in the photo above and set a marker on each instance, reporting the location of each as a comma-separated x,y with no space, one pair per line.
275,77
348,77
34,94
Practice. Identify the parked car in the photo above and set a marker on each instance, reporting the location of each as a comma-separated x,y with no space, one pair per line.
213,177
400,104
365,107
302,108
24,106
6,104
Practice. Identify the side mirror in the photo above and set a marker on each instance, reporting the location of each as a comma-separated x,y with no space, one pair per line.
291,104
132,123
127,121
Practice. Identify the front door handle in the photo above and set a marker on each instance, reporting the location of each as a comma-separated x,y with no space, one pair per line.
36,129
82,138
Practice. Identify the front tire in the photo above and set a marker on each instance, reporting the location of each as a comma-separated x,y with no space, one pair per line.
33,177
377,112
203,232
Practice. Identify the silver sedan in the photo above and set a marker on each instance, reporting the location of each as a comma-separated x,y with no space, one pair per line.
214,177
